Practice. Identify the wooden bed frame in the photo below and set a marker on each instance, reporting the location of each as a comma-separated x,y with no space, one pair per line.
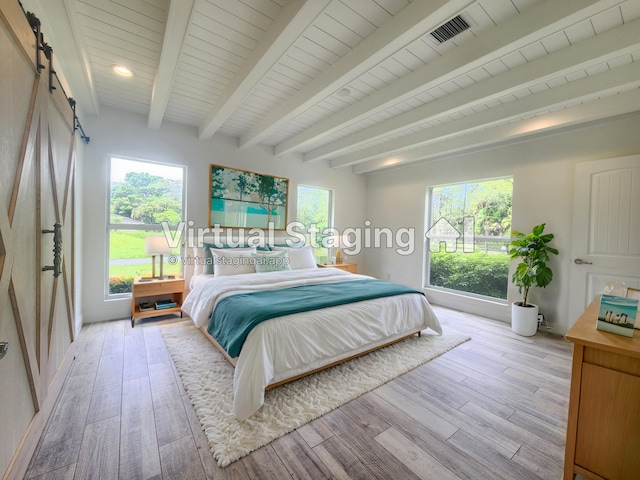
233,361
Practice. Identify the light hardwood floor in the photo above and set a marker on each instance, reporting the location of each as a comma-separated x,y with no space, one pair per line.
494,407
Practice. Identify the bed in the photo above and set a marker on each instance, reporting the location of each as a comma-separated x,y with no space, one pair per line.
289,346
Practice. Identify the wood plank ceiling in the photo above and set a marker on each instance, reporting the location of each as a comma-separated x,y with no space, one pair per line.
358,84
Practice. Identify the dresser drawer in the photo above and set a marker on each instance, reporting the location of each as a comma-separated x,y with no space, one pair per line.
158,288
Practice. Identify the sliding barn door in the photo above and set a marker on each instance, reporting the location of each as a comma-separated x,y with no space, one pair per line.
36,230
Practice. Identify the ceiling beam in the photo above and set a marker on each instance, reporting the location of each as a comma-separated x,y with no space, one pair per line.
293,20
539,21
601,48
577,91
175,34
599,109
405,27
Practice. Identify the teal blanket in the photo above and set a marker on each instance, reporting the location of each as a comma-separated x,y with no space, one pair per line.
235,316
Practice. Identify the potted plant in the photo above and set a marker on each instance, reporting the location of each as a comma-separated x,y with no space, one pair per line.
533,252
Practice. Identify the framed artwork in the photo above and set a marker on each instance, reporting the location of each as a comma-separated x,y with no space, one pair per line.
617,314
633,293
239,198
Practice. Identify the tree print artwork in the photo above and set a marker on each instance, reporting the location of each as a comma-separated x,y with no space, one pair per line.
246,199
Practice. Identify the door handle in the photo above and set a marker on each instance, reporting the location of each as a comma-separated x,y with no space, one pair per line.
57,250
579,261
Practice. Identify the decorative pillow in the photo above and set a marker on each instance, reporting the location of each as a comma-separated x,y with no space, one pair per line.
294,243
259,247
271,262
232,261
208,256
301,257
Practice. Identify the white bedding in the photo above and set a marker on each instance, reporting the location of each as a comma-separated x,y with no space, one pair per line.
287,346
196,279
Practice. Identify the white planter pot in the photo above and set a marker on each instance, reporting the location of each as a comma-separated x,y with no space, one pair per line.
524,320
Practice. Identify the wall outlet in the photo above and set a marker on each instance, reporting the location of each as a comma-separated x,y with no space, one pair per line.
541,320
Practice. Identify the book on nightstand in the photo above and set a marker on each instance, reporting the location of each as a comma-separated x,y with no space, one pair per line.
161,304
145,307
617,315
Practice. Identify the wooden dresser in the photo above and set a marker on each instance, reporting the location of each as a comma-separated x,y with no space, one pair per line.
603,431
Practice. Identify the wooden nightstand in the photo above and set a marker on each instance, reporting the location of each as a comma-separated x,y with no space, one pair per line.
347,267
150,291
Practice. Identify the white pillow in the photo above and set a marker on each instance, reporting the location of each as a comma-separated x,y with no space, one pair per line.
300,257
232,261
198,260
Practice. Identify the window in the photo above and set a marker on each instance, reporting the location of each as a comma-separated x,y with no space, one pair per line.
315,206
143,195
468,234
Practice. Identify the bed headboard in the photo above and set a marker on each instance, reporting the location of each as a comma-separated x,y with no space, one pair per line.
189,255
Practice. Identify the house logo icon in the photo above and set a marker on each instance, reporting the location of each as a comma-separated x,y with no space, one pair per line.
443,232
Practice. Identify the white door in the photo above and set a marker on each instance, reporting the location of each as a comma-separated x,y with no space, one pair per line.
606,228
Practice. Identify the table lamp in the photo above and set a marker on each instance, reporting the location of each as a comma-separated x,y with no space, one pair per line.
339,242
156,245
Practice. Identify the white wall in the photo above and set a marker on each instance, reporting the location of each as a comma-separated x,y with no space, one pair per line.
543,192
116,132
543,171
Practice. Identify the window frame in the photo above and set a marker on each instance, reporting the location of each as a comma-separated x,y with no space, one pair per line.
426,274
135,227
330,208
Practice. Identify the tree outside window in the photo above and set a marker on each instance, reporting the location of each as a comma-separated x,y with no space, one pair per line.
468,234
143,195
315,206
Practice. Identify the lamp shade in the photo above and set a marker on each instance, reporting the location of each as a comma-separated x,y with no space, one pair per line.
156,245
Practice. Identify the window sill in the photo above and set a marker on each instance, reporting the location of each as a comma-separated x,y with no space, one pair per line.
496,309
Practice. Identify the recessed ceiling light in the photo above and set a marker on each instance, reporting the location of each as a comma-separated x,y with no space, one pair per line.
122,70
344,92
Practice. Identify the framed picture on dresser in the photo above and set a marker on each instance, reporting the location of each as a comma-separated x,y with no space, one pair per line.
633,293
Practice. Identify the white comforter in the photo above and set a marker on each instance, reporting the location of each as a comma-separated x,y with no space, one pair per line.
287,346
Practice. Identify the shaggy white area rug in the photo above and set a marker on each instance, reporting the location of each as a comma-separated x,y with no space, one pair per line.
208,380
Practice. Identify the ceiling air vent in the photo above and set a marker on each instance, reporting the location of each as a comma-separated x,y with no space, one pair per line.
450,29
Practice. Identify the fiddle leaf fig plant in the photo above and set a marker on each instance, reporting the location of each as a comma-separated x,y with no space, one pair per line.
533,252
